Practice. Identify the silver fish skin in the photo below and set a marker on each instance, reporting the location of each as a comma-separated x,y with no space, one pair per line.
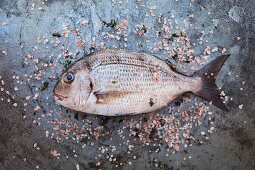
115,82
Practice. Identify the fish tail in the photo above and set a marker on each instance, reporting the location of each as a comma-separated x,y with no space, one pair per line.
209,90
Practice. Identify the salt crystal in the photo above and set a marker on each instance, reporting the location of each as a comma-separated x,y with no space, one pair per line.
240,106
4,23
223,50
37,108
33,7
77,167
36,95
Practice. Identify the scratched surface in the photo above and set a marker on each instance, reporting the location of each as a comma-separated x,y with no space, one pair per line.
230,146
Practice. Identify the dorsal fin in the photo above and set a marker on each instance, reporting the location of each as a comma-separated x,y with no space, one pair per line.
173,67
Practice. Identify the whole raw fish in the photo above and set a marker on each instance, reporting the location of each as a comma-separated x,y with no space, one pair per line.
120,82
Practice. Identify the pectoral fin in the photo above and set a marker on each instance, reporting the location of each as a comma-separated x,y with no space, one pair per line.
108,96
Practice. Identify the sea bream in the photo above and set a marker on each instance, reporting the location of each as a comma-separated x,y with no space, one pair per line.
115,82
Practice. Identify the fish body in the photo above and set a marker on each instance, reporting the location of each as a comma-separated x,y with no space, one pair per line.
120,82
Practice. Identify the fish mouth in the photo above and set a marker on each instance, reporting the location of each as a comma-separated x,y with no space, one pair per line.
58,97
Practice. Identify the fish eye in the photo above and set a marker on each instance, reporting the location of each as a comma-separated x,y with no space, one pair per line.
69,77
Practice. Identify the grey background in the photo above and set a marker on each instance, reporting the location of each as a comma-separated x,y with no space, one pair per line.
231,146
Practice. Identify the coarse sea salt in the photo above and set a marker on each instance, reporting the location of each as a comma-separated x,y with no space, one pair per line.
77,167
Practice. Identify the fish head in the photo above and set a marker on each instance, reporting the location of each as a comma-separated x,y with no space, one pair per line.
73,88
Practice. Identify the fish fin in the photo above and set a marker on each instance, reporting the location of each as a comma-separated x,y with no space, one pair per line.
108,96
209,90
173,67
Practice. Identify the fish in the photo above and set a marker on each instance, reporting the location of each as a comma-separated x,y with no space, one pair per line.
115,82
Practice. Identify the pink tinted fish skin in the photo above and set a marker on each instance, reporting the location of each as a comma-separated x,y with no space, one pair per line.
121,82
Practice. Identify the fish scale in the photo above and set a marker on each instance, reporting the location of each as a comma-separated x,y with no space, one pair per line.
133,75
126,79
